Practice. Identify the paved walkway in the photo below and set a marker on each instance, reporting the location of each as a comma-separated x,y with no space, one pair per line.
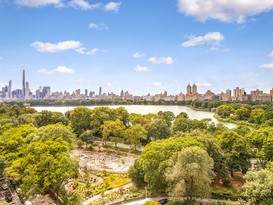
121,145
97,197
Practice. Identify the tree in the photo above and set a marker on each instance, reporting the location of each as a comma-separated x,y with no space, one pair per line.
182,114
242,114
268,115
262,139
53,132
43,167
153,162
27,119
259,187
168,116
134,135
237,151
158,129
113,131
190,174
123,115
224,111
99,115
80,119
151,203
47,117
138,119
182,124
256,115
87,137
13,140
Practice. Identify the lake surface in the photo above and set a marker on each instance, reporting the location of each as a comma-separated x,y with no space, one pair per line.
145,109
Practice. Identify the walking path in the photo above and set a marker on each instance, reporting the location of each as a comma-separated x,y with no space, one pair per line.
97,197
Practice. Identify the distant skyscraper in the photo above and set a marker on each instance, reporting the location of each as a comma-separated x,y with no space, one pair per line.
46,91
27,91
188,89
194,89
24,85
10,89
100,92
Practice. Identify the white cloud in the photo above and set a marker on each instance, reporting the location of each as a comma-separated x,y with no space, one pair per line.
109,84
139,55
224,10
37,3
112,6
83,51
83,4
269,65
100,26
211,38
139,68
203,84
163,60
157,84
59,69
271,54
55,47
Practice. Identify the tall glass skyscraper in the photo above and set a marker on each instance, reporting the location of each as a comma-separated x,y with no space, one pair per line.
24,85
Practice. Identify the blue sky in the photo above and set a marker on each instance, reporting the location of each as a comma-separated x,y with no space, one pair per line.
143,46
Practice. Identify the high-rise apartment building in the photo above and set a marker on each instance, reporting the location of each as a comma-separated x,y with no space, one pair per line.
10,90
24,85
27,91
100,92
194,89
46,92
188,89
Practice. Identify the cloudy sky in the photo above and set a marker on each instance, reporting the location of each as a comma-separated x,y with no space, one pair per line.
143,46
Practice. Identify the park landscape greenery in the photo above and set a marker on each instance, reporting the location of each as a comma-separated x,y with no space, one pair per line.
182,157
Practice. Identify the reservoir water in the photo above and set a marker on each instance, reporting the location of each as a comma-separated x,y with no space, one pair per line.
145,109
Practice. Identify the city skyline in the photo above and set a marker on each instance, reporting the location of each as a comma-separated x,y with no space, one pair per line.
44,92
137,45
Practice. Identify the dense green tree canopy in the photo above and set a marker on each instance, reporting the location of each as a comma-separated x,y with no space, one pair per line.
154,159
262,139
46,117
43,167
80,119
237,151
134,135
190,174
259,187
157,129
224,111
113,131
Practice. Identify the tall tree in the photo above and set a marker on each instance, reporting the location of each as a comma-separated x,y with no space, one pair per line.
190,174
134,135
112,131
262,139
80,119
43,167
258,187
237,151
153,162
47,117
224,111
168,116
157,129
